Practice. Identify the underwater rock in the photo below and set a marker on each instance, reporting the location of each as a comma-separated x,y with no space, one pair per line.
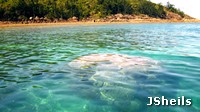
112,75
116,61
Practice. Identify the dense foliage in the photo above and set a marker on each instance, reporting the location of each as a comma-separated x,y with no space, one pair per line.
23,9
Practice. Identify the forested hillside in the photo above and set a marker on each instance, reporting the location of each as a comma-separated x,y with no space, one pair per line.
14,10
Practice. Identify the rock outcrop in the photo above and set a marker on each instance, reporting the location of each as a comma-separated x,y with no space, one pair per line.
171,15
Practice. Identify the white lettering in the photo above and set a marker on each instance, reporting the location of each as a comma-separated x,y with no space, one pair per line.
157,101
150,101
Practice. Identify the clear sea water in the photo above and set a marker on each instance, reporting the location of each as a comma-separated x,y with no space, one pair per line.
35,76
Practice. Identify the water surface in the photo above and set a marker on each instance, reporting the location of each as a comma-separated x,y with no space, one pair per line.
35,76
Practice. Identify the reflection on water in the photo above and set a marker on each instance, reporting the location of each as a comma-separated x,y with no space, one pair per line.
35,76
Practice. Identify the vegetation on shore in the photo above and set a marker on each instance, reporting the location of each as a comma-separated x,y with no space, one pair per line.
19,10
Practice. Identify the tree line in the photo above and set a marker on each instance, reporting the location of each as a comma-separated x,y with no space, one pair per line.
14,10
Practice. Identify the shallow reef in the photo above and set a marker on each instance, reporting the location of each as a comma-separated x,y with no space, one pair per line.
117,77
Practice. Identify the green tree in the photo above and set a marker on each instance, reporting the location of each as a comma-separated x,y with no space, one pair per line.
23,9
152,9
172,8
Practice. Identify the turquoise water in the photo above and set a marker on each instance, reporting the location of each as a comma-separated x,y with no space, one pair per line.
35,76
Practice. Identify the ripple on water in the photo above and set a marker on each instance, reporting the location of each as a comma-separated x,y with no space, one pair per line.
35,74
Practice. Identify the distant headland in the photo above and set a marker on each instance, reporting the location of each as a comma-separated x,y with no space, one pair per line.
90,11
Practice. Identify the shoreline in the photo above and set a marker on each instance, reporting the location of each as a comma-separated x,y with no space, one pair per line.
83,23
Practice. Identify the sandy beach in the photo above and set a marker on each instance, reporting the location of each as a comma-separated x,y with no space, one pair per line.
133,21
